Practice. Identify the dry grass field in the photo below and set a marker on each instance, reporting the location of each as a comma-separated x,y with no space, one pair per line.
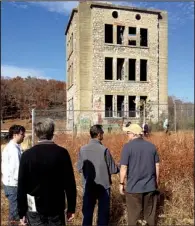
176,199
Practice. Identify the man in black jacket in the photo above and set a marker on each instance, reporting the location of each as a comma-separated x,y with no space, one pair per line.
45,176
97,165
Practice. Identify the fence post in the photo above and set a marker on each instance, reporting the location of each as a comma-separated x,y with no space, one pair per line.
33,122
175,116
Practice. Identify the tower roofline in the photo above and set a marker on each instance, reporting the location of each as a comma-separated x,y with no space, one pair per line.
127,8
74,10
113,6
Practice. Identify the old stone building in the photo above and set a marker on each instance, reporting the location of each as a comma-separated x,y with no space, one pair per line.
116,56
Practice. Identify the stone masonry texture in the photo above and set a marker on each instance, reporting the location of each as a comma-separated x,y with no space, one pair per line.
86,94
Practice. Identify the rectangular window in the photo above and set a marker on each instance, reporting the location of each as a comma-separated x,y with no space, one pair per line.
132,69
143,37
143,70
132,106
120,68
108,68
108,33
132,42
132,36
143,98
132,31
120,106
120,34
108,105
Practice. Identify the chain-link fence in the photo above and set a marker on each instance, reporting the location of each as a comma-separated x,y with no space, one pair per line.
180,117
57,114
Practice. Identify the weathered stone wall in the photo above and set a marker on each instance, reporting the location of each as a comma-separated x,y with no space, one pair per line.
101,16
90,50
72,93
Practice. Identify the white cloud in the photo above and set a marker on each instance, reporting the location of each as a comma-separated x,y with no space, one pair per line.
58,7
14,71
19,5
177,11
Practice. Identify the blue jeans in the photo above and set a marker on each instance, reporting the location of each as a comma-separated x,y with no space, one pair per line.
11,194
91,195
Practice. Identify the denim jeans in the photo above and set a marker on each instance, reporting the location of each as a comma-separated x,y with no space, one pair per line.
36,219
91,195
11,194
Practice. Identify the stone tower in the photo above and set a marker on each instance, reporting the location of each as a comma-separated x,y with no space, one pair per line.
115,57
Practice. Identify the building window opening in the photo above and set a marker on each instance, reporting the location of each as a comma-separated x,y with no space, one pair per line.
137,17
132,69
120,68
143,70
120,34
132,42
132,31
108,105
132,106
108,68
108,33
132,36
143,37
142,100
115,14
120,106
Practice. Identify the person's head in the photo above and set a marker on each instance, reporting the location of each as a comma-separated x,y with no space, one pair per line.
17,133
133,131
44,129
27,143
96,132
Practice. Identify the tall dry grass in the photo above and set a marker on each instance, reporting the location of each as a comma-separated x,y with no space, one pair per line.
176,199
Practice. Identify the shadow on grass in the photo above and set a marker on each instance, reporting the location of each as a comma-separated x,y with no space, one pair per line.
162,197
117,209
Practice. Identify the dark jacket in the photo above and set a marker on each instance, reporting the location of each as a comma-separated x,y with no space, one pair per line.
96,164
46,173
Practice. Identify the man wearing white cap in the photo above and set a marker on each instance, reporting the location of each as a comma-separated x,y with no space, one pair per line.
140,163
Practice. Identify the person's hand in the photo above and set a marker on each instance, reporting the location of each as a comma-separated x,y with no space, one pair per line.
23,221
122,189
70,216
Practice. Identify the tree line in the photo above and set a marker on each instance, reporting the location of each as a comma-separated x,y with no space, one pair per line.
20,95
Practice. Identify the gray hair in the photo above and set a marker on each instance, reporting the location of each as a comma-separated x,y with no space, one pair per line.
44,129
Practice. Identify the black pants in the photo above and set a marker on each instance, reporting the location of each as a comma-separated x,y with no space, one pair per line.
141,207
36,219
91,195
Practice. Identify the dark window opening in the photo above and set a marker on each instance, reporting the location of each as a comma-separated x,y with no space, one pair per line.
132,31
132,69
120,68
108,105
132,42
108,33
115,14
143,70
132,106
108,68
120,34
120,106
142,99
143,37
137,17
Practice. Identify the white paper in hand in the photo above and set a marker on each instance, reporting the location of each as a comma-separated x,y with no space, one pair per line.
31,203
